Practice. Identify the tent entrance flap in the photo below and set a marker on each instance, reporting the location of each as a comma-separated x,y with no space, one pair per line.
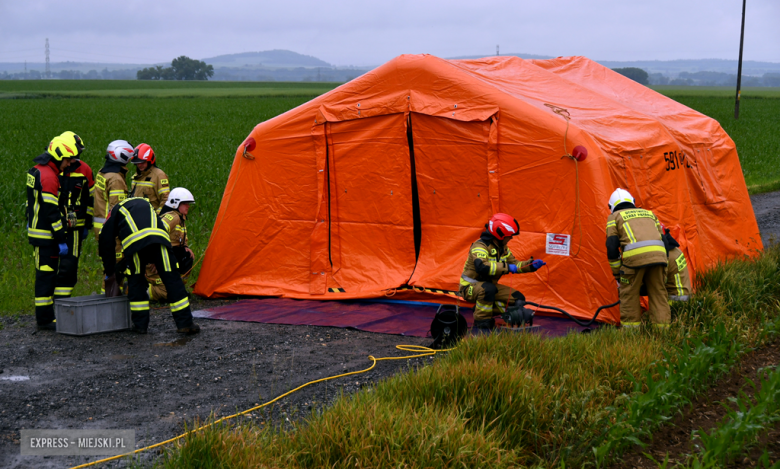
371,221
452,164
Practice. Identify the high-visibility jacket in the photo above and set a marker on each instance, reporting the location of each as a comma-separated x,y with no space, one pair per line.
77,188
488,260
45,221
152,185
678,279
110,189
175,224
136,224
634,239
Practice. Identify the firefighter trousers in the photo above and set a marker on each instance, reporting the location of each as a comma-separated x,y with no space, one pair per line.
489,298
67,276
631,281
157,290
47,261
163,259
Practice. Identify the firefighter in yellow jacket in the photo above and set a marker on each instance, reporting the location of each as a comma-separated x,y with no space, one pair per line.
110,184
110,190
174,215
149,182
489,258
637,256
678,279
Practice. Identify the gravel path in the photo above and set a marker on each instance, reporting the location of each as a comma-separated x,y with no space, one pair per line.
157,382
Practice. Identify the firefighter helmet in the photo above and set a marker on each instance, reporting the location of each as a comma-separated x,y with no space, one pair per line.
502,225
143,154
60,149
178,196
119,151
618,197
76,140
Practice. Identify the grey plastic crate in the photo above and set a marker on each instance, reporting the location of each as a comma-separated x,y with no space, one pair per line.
84,315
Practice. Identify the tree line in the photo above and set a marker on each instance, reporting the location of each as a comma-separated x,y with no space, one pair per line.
182,68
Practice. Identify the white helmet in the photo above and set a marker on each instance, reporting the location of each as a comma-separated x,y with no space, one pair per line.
119,151
618,197
179,195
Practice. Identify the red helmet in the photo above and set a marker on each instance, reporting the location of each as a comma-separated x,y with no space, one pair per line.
502,225
143,154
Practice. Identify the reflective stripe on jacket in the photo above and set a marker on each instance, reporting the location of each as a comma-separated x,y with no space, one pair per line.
136,224
110,189
497,259
678,279
45,221
152,185
639,234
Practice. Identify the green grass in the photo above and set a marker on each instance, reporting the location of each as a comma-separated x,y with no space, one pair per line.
157,89
716,91
194,139
756,134
519,400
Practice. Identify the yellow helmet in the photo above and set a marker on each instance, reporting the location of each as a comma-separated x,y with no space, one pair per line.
59,149
71,137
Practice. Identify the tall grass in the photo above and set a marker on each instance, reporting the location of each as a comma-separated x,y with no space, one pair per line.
520,400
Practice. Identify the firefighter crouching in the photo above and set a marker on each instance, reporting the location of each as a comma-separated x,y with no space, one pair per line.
76,191
149,182
110,189
174,215
678,279
637,256
45,225
489,258
144,241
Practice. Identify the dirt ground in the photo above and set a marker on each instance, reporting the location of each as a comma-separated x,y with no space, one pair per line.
155,383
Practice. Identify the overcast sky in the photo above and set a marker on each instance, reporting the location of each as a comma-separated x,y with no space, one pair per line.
355,32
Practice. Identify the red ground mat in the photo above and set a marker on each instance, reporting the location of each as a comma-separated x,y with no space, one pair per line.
403,318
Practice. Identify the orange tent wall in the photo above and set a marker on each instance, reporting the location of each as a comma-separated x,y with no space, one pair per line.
326,209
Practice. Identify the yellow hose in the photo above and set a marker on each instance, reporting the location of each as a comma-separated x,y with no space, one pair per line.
419,349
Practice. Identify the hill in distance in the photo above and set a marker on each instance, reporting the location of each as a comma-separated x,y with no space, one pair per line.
268,59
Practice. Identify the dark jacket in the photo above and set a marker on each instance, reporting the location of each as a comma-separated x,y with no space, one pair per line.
77,187
137,226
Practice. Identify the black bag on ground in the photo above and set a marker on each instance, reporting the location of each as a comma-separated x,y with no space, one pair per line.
448,327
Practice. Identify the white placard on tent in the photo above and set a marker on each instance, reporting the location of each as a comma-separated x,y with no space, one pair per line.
558,244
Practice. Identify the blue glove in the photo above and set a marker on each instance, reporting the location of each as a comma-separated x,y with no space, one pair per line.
63,249
512,268
537,264
85,233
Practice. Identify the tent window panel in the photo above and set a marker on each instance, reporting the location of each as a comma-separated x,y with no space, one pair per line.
370,203
452,182
705,161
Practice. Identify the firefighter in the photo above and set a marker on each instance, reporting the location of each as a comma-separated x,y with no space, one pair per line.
637,256
111,188
174,215
77,187
45,225
144,241
489,258
149,182
678,279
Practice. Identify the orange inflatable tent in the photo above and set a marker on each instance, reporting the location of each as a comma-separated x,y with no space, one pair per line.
380,186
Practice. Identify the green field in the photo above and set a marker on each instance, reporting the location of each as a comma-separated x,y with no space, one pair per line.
157,89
